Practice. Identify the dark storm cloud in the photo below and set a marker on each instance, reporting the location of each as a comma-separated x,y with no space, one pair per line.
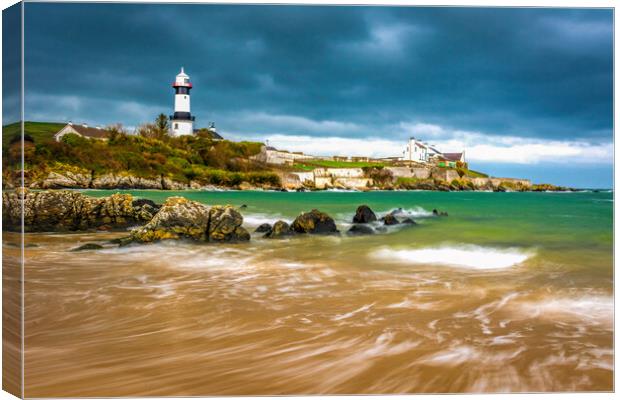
526,72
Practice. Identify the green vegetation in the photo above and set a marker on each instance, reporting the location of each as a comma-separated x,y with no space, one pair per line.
464,171
475,174
40,132
150,154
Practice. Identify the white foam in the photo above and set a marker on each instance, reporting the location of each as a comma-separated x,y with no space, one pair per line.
415,212
364,308
257,219
594,309
464,256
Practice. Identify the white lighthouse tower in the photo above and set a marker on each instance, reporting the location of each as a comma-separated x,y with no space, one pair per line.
182,122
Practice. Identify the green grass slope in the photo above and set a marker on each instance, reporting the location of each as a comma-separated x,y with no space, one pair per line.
38,131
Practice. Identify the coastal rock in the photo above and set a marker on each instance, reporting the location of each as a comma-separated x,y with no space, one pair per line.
64,180
443,187
169,184
438,213
280,229
177,218
390,219
263,228
225,225
124,181
88,246
61,210
180,218
363,215
314,222
247,186
359,229
408,221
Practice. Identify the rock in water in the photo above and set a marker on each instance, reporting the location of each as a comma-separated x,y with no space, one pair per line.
315,222
181,218
280,229
408,221
225,225
263,228
439,213
363,215
390,219
358,229
88,246
177,218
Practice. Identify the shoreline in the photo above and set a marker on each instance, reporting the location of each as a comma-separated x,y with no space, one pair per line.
330,190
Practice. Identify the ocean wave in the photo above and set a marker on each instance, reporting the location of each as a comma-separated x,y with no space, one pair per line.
415,212
342,190
257,219
464,256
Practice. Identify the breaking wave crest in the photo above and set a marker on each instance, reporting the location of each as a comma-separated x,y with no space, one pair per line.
415,212
463,256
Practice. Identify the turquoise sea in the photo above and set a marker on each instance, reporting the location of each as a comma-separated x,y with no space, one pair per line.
576,228
509,292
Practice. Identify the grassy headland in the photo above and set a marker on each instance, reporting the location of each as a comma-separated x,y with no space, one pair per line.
185,159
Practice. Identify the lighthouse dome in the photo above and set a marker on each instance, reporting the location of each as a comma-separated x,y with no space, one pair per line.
182,79
182,74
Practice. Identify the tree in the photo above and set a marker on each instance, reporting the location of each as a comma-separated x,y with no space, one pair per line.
148,131
162,125
115,133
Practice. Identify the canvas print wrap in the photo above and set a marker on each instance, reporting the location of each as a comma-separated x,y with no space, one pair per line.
205,199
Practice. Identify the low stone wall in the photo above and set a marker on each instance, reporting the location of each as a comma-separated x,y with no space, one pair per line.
444,174
354,178
346,172
322,178
400,172
354,183
421,173
407,172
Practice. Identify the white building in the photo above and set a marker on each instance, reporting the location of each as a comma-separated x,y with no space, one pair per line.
270,155
81,130
416,151
182,122
424,153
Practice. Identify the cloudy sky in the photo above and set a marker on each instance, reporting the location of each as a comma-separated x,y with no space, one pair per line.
526,92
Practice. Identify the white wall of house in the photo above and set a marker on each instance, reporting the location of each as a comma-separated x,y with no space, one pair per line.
416,151
66,130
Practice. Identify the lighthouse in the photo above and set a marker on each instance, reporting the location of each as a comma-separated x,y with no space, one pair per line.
182,121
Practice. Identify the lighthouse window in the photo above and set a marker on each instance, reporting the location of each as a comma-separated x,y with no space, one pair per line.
185,97
176,126
186,80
